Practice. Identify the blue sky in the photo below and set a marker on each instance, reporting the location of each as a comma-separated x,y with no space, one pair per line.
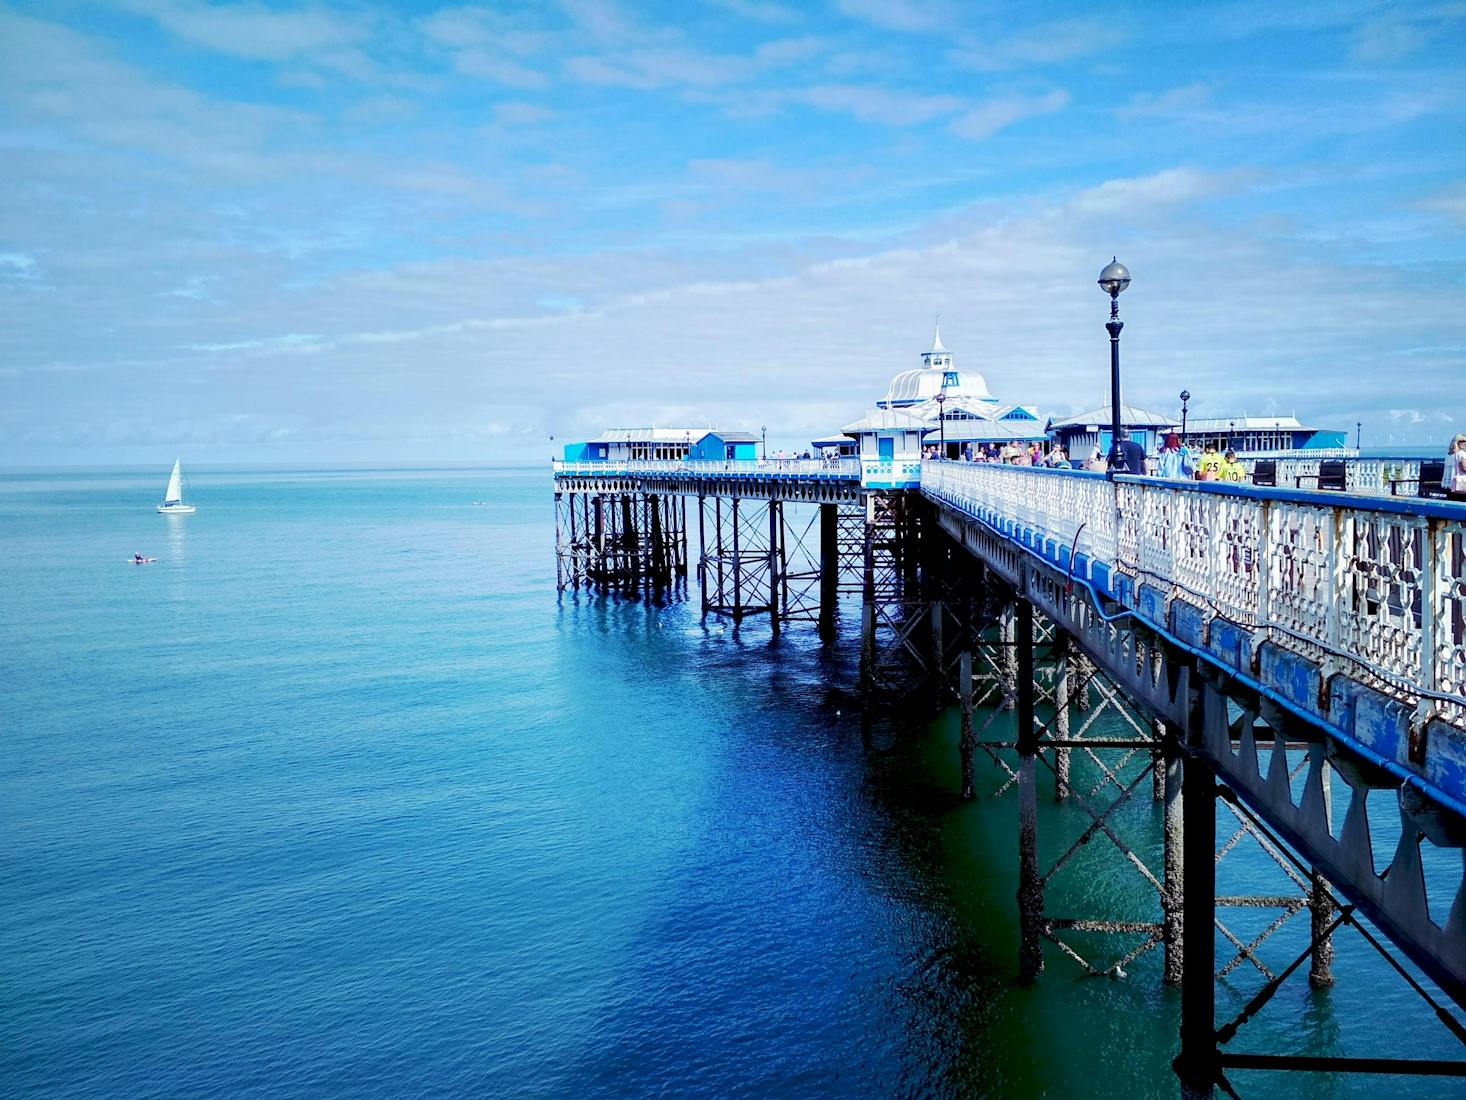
260,232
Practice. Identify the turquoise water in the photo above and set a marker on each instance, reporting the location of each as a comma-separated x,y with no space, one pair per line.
338,798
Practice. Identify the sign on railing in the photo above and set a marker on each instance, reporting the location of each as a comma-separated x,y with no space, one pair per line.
1379,587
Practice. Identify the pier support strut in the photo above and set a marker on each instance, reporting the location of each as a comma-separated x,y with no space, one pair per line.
1197,1065
1030,881
829,568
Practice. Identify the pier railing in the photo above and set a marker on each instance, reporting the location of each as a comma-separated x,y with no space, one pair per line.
1372,585
1371,476
841,469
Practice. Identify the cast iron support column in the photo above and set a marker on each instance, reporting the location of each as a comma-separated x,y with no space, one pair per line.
774,575
600,538
1158,762
682,537
718,535
1321,910
630,539
702,550
829,568
868,607
1197,1063
1007,668
1062,669
1030,882
1173,885
660,574
737,568
968,740
559,548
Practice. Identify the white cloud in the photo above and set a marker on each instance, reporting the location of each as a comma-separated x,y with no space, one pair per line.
874,104
1045,44
327,39
1174,186
1180,100
898,15
1386,40
1449,203
516,112
984,121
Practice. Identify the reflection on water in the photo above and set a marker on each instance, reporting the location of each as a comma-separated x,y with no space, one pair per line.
377,813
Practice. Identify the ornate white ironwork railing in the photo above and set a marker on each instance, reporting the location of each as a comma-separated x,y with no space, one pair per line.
1373,476
767,467
1377,585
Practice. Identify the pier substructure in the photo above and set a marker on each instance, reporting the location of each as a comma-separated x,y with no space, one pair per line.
768,556
619,539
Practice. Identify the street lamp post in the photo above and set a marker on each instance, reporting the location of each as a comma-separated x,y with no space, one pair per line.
942,422
763,434
1113,279
1231,431
1358,433
1185,397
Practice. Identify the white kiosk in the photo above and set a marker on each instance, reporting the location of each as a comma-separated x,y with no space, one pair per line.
890,448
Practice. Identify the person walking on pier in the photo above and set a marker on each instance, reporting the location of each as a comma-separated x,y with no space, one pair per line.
1174,461
1453,479
1131,455
1210,466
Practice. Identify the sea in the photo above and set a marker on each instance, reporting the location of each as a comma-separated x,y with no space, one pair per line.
340,797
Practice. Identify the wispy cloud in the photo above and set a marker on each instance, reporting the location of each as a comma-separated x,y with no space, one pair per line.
987,119
899,15
1040,45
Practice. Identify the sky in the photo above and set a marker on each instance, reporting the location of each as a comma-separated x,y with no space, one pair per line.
261,232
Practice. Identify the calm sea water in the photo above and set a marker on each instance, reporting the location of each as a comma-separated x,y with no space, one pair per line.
339,798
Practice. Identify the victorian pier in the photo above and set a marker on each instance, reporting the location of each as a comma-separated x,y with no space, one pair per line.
1276,664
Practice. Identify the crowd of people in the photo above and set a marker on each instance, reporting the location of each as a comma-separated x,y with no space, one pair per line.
1173,460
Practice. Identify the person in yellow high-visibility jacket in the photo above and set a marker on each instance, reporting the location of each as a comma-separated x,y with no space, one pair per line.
1210,466
1231,469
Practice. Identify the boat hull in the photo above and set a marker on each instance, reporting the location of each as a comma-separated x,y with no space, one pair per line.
177,509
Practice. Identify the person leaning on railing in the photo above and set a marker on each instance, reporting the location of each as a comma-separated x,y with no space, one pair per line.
1453,477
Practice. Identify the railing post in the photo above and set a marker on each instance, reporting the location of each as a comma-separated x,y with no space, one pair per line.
1264,564
1431,550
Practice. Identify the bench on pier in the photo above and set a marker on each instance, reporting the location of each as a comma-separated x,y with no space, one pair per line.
1265,472
1331,476
1428,484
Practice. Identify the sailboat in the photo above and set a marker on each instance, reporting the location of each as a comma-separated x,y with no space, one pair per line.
173,503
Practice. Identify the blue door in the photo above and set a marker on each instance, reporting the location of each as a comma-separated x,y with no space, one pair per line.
885,447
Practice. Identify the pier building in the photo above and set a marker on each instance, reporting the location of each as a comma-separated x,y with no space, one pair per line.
1285,659
1261,434
1082,435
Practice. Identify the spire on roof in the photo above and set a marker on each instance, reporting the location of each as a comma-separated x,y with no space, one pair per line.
937,338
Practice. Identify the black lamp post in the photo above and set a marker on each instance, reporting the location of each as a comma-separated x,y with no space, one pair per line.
1113,279
1231,431
1185,397
763,434
1358,433
942,422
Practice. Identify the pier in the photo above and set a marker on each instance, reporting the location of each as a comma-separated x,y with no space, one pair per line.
1290,661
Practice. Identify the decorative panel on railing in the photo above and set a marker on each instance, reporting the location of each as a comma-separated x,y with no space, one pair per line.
1376,588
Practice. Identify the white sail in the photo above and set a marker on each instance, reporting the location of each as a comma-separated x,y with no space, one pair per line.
174,495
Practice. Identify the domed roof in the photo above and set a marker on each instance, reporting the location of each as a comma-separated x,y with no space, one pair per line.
936,375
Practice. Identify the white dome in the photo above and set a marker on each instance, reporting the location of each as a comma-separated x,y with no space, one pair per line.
936,375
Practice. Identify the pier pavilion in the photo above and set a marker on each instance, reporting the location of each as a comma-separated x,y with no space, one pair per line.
1291,662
